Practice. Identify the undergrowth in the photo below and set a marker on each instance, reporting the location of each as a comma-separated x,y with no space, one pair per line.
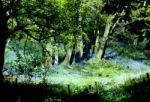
98,82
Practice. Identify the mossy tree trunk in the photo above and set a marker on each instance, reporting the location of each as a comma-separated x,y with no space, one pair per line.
67,58
101,45
80,44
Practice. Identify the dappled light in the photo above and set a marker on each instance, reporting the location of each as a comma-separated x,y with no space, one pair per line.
74,51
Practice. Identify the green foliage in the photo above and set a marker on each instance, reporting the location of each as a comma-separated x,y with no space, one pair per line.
40,29
26,56
104,64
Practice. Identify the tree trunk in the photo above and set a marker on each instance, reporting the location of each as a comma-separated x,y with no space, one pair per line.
56,57
80,44
68,55
97,35
47,54
96,46
3,39
103,41
101,48
2,54
73,54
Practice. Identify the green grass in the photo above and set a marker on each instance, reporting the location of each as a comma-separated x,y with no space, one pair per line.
114,80
109,74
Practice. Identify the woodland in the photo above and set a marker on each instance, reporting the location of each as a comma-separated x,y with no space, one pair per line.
74,50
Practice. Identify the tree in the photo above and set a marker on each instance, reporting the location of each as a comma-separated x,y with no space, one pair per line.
73,35
36,19
104,24
132,28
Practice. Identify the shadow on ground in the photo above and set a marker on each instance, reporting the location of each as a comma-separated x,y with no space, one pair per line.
139,91
136,91
23,92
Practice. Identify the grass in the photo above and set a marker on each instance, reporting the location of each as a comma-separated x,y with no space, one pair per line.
115,82
107,73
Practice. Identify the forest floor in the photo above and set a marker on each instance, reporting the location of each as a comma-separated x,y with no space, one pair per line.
107,73
112,80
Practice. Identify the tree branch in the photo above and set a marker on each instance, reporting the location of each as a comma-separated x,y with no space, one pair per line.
30,35
49,36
